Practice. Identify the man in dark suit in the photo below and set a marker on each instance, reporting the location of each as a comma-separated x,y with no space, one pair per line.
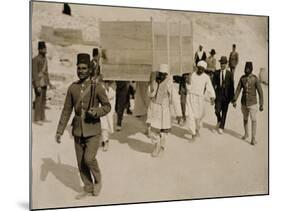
224,87
85,96
40,82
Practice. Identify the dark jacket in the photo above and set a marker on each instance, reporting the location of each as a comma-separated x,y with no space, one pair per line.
182,84
250,85
82,127
40,75
197,59
228,91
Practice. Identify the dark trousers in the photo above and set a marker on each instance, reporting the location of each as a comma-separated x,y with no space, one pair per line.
86,149
40,104
221,108
183,105
130,94
121,103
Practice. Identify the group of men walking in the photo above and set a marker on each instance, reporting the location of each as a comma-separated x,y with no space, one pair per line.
93,100
223,85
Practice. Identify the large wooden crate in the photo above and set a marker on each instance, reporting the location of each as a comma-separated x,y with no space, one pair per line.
134,48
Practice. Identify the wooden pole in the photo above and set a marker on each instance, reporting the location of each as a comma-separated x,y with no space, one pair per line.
168,42
153,45
191,35
99,32
180,40
100,47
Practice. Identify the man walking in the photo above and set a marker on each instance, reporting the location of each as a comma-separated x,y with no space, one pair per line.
85,96
183,92
40,82
162,94
200,86
121,101
224,87
233,59
250,85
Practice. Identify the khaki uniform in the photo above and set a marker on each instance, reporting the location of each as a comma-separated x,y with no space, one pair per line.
40,78
250,85
86,133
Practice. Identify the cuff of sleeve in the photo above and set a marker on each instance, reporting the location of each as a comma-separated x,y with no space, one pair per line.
58,133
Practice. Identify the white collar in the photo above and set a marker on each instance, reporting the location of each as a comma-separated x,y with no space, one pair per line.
223,71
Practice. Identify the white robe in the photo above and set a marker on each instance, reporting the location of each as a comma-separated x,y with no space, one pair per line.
200,87
107,121
159,114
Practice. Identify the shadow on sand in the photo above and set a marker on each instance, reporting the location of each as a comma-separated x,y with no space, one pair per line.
132,129
226,131
66,174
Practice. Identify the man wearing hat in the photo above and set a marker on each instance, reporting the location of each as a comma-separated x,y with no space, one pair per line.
224,87
233,59
250,85
211,64
200,86
161,94
89,101
40,82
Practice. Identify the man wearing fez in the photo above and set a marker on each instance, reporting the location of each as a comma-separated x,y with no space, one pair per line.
250,85
233,59
40,82
224,87
84,96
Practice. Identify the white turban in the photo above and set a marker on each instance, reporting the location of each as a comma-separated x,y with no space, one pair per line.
202,64
164,68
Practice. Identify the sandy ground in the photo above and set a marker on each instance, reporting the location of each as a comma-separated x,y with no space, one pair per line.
214,166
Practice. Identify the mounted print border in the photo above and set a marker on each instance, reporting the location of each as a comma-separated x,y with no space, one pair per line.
136,148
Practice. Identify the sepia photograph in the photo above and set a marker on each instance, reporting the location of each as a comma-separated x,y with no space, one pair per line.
134,105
